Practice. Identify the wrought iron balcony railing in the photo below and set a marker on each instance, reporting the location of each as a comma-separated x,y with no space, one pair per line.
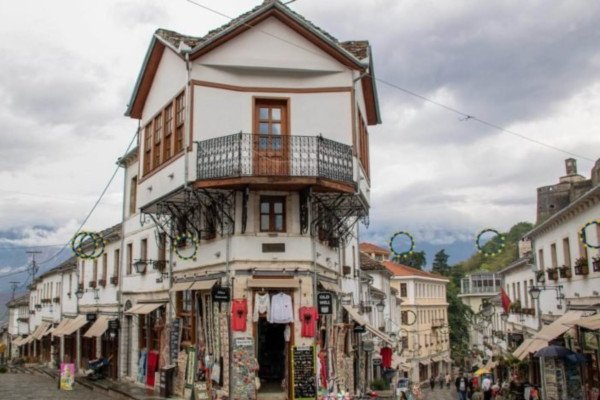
245,154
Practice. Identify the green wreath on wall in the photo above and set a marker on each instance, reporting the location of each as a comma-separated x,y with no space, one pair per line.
480,248
404,253
583,235
83,239
182,239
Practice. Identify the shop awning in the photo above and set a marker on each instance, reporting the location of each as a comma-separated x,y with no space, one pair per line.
558,327
38,333
181,286
424,362
436,359
379,334
332,287
58,331
405,367
273,283
592,323
203,285
17,341
98,327
355,315
25,341
529,346
75,324
144,308
49,331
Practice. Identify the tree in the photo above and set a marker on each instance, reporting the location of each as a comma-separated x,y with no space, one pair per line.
459,315
416,259
440,263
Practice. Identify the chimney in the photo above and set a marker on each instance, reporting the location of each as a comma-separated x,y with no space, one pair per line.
524,247
571,166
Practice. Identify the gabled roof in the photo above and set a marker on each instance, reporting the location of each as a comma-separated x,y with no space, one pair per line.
354,54
404,270
372,248
369,264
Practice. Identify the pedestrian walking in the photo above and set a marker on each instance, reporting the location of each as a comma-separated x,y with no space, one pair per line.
448,380
432,382
441,381
462,385
486,386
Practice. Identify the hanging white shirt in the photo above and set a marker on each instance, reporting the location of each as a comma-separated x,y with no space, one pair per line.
262,304
281,311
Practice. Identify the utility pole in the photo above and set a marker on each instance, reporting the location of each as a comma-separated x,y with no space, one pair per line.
34,266
14,285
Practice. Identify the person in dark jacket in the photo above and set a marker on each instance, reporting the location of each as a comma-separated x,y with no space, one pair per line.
462,386
432,382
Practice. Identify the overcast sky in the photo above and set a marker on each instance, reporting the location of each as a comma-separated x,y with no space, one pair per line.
67,69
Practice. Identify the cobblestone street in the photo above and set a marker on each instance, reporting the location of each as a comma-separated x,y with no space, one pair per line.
440,394
40,387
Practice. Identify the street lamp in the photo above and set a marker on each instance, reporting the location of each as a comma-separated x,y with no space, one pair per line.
504,316
380,306
79,294
535,292
140,266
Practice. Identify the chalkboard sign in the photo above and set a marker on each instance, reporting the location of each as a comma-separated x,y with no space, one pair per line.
174,339
303,373
220,294
324,303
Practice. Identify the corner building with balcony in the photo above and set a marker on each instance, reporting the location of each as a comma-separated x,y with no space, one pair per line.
251,177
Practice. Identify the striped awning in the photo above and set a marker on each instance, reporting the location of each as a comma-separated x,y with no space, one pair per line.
74,325
203,285
58,331
49,331
355,315
17,341
39,331
98,327
144,308
379,334
181,286
332,287
25,341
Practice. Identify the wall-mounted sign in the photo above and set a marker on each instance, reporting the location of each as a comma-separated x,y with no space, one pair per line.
359,329
113,325
368,345
174,338
90,317
220,294
325,303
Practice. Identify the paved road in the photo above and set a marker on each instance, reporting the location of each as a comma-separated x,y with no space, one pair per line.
440,394
40,387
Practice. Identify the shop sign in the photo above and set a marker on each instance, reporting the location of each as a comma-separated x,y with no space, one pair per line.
90,317
324,303
368,345
590,341
220,294
113,325
67,376
174,337
190,372
303,373
377,361
359,329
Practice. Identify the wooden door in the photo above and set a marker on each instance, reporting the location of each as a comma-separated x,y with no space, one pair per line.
271,138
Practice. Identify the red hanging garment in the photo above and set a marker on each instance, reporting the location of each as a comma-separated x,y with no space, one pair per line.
152,367
239,312
386,357
308,319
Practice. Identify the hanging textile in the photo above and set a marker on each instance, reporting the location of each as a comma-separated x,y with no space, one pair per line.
239,314
386,357
308,320
322,364
152,367
262,305
281,311
164,345
141,376
225,349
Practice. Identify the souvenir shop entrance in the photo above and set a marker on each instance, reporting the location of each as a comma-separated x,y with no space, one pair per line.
271,350
274,323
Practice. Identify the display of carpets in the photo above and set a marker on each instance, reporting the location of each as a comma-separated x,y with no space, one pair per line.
224,332
163,359
244,366
180,377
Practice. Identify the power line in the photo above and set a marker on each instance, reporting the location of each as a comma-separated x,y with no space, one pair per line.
39,246
465,116
95,204
13,273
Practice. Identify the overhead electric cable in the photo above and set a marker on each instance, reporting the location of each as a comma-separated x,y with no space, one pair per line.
95,204
464,115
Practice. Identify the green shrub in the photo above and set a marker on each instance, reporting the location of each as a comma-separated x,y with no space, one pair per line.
2,369
379,384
